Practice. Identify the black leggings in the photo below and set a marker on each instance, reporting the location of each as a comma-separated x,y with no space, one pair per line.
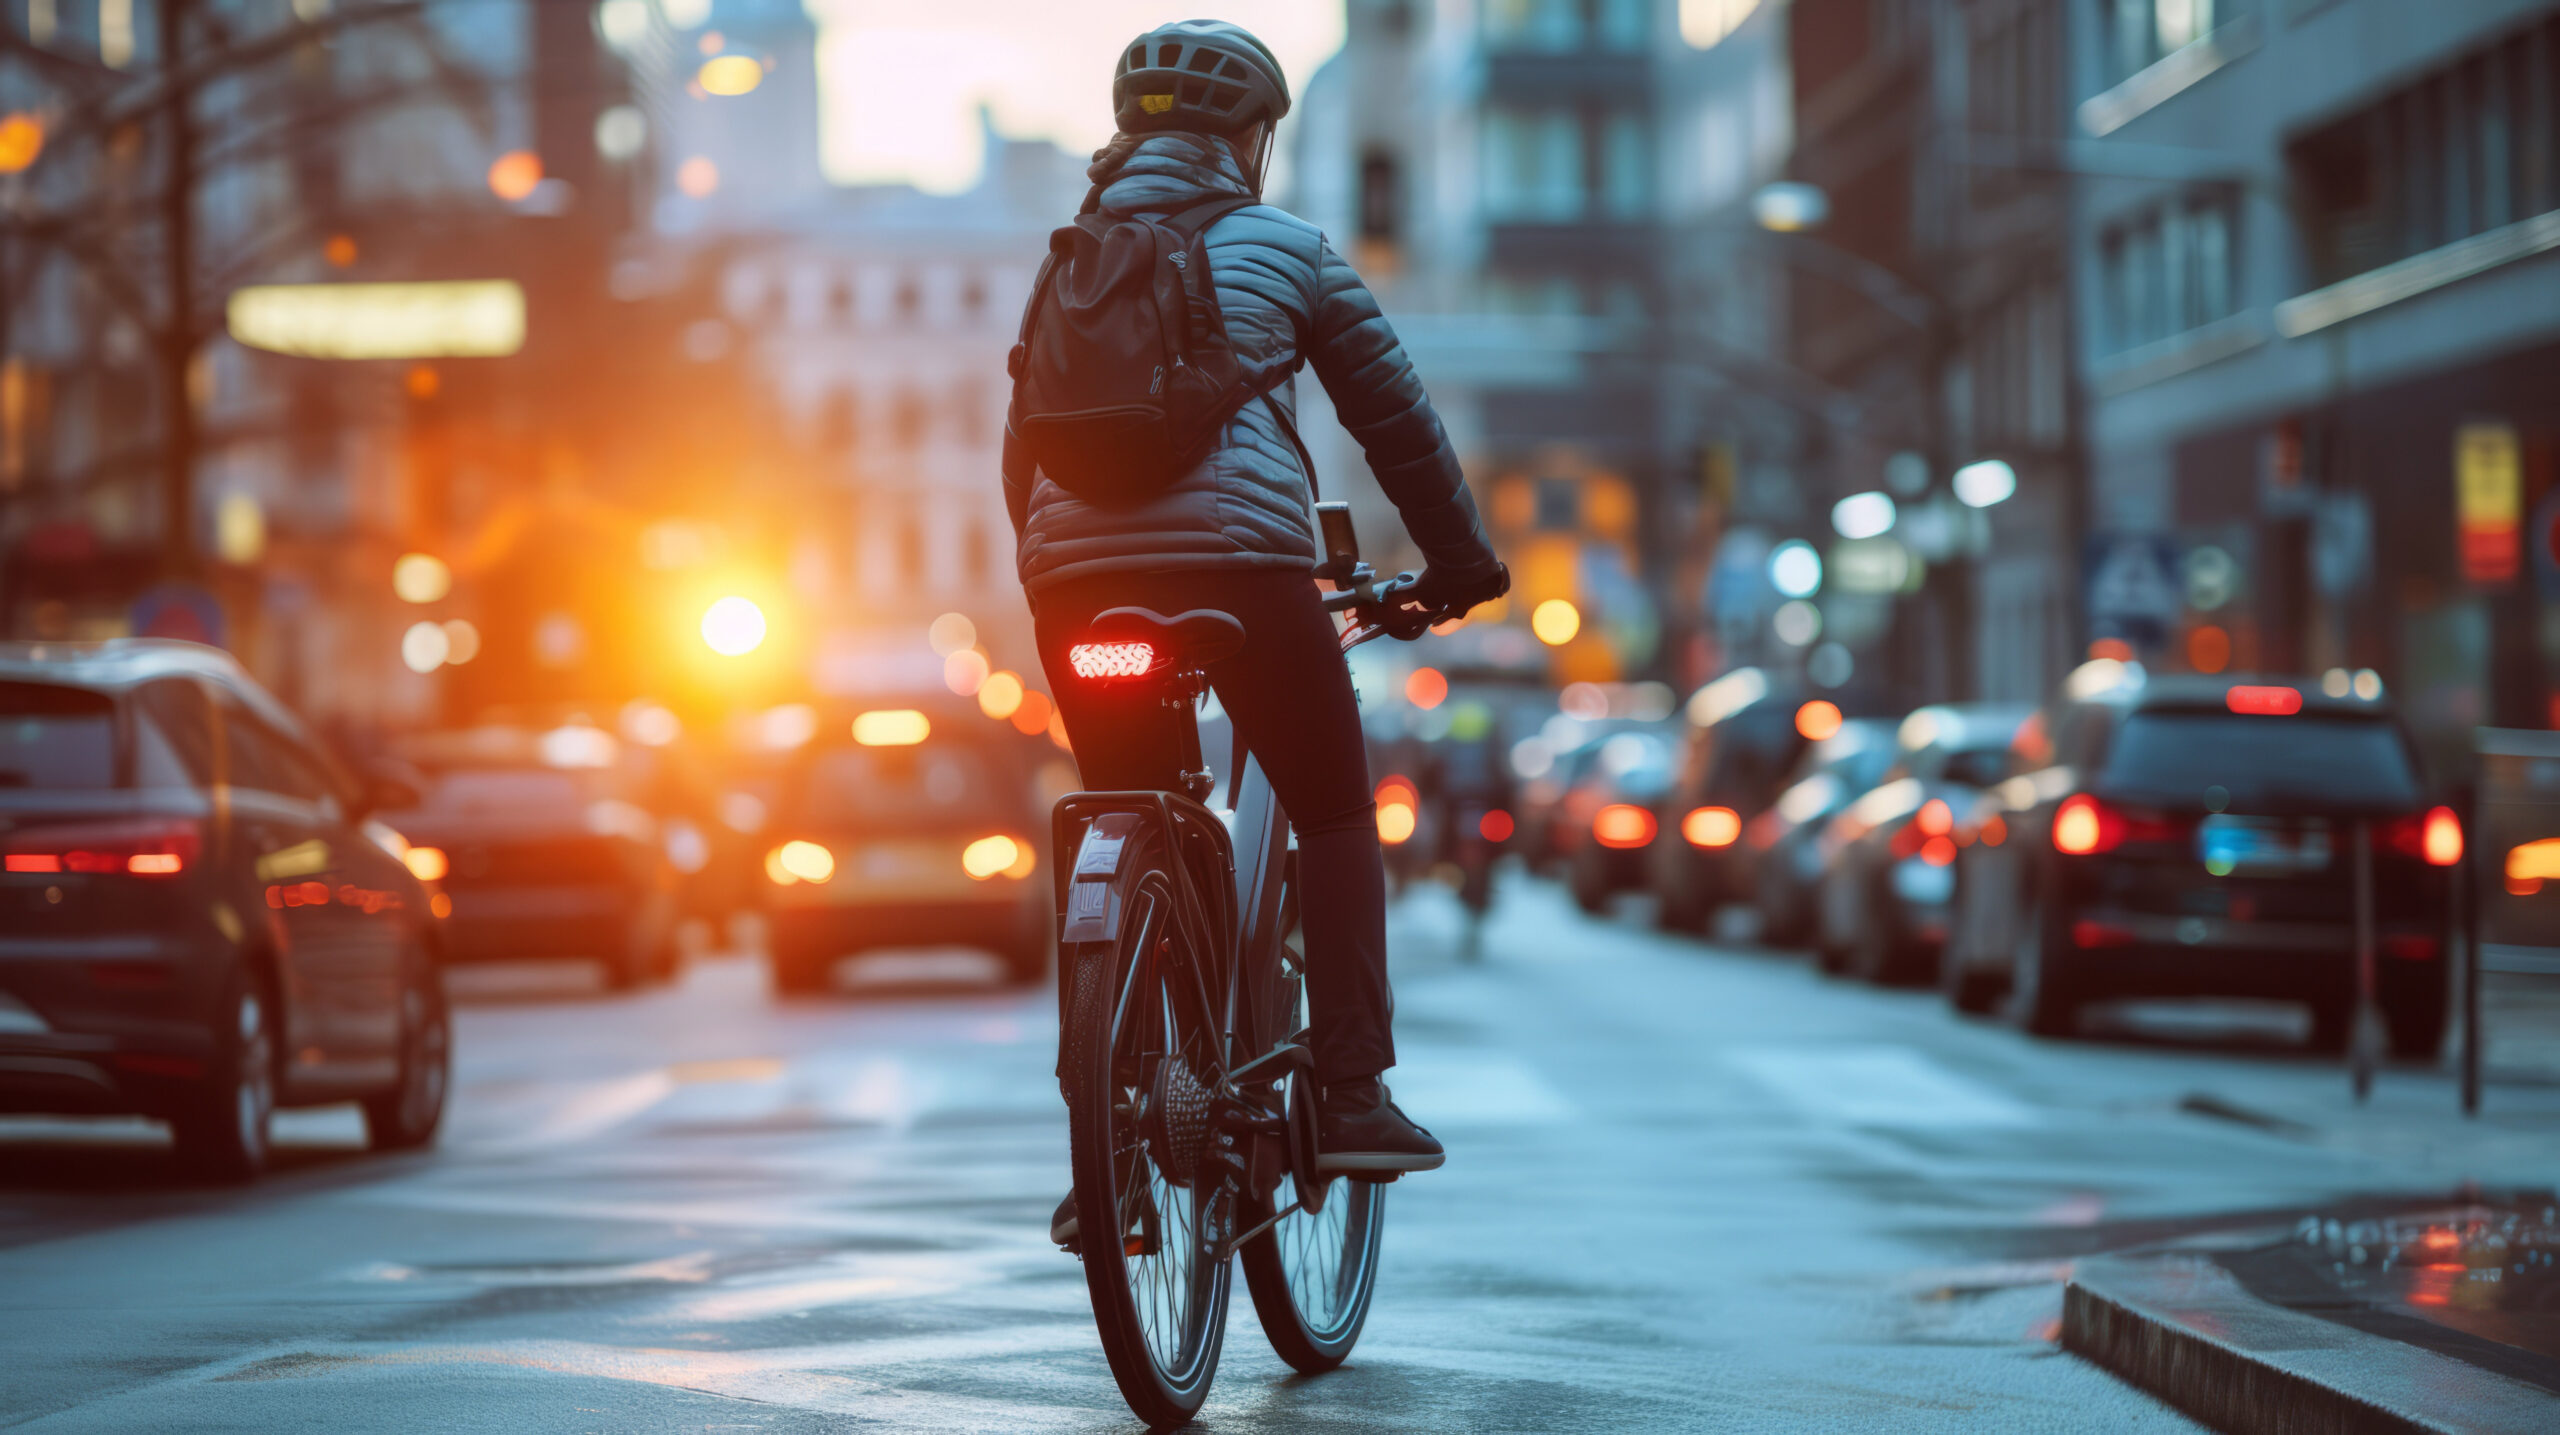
1290,696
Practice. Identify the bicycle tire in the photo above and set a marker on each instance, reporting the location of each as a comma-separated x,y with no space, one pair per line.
1313,1274
1161,1314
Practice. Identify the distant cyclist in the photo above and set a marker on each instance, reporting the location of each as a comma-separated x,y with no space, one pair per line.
1196,104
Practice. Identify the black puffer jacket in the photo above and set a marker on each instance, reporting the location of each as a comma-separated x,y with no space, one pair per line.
1288,299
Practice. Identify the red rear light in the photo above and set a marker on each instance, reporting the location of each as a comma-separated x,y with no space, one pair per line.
1496,826
2434,838
2264,701
1711,827
1104,661
1622,825
146,847
2086,934
2083,825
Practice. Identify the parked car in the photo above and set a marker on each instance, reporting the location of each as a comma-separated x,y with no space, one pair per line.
202,922
1783,844
1605,821
2202,844
1888,880
545,849
2064,739
1744,736
908,826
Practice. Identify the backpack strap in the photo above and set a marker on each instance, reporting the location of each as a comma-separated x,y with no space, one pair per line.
1020,359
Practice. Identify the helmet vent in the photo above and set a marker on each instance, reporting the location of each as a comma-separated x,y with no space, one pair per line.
1204,61
1167,54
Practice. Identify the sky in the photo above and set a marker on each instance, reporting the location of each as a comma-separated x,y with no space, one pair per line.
901,81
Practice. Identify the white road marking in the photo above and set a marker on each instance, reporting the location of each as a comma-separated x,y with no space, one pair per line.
1877,1086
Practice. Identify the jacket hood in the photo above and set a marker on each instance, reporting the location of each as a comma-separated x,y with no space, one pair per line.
1161,173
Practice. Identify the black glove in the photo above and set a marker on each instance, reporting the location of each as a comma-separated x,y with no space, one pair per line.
1451,592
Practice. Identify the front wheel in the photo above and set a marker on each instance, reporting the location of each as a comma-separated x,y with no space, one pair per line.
1141,1064
408,1114
1313,1273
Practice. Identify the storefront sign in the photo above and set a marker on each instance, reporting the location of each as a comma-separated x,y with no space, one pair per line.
2488,485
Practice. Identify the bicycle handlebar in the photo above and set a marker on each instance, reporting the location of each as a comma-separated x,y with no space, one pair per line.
1377,610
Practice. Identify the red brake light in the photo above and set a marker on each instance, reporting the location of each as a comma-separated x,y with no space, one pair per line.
1103,661
1622,825
1711,827
2435,838
149,847
2083,825
2264,701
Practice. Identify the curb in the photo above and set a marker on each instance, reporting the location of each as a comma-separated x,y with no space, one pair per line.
2181,1328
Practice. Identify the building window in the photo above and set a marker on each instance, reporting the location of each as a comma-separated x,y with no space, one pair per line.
976,553
1626,166
839,422
2170,269
2465,150
1381,197
2014,85
910,549
969,413
1534,165
907,422
973,299
1534,24
910,301
840,301
2139,33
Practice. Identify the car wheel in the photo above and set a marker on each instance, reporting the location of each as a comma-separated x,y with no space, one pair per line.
223,1128
1969,989
409,1114
2045,992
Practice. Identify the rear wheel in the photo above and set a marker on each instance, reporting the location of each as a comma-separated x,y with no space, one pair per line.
222,1128
408,1114
1142,1061
1312,1275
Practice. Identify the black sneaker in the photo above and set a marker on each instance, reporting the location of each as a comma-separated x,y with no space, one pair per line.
1062,1226
1359,1131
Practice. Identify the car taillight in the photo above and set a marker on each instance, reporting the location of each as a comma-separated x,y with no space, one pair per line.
151,847
1399,809
2268,700
1711,826
997,856
2083,825
1622,825
1099,661
2434,838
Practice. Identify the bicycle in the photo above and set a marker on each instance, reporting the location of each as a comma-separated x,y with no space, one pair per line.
1190,1086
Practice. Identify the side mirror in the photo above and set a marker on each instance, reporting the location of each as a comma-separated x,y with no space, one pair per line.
390,784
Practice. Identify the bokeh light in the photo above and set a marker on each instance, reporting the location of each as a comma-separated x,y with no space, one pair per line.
733,626
1000,696
462,641
989,856
21,142
515,175
698,177
891,727
1818,719
950,633
1426,688
1795,570
420,578
728,75
963,671
1036,715
1555,621
424,647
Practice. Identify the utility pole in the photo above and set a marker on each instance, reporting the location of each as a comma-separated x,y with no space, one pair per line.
178,339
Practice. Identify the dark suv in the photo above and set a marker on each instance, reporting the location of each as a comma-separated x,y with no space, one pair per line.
201,925
2188,836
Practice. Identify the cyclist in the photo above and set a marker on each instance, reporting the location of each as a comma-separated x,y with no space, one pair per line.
1237,533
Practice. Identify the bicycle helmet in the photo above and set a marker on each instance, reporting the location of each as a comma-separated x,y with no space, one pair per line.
1207,75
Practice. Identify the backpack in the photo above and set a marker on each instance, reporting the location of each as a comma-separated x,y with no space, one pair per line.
1123,375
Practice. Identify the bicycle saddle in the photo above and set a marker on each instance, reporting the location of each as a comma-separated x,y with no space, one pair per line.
1203,635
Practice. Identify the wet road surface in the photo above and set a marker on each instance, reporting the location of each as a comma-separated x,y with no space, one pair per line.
1689,1188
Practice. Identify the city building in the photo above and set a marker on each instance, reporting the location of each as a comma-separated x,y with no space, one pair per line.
2321,319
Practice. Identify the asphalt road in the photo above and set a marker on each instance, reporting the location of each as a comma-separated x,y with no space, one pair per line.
1689,1188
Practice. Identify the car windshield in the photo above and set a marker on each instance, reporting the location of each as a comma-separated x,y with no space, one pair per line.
56,737
2296,763
891,787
